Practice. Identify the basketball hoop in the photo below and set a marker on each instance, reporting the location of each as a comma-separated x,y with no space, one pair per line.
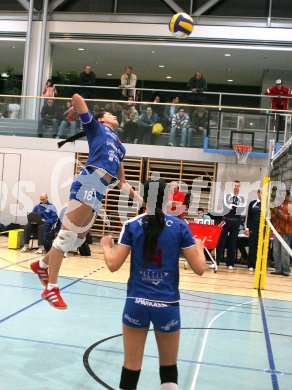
242,152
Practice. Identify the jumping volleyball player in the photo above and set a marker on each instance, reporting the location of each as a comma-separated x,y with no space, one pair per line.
104,165
155,241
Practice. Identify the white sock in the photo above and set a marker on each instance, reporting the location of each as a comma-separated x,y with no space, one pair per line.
169,386
42,264
51,286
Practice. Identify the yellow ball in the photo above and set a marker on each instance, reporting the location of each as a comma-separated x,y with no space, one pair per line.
181,25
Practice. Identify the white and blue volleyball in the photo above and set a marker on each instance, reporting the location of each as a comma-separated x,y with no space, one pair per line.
181,25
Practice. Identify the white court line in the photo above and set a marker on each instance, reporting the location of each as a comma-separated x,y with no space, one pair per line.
193,386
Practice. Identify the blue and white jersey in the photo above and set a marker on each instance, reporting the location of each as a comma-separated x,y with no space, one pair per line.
157,279
105,149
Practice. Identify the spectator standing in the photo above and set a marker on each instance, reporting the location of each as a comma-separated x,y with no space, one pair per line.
252,229
180,122
87,79
145,124
50,90
234,205
282,220
279,102
49,117
279,90
49,218
128,82
155,241
197,85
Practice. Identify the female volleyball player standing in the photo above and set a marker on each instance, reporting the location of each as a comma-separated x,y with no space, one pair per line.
104,165
155,241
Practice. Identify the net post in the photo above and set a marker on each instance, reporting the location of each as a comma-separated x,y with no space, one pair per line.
264,233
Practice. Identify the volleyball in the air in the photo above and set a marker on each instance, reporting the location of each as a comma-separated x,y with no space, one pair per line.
181,25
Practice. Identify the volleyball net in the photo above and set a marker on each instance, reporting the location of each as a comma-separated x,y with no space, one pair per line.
275,232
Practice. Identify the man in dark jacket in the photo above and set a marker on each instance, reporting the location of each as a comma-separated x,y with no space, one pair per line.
49,116
198,85
252,229
49,218
87,78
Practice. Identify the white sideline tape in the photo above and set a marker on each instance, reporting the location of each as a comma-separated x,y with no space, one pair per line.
285,245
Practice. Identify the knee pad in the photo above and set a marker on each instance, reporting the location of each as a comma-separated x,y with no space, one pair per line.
65,240
78,243
168,375
129,379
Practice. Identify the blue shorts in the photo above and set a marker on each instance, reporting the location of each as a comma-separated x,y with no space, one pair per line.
89,188
139,312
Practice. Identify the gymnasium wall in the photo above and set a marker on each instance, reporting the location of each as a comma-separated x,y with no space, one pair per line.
249,175
25,173
29,166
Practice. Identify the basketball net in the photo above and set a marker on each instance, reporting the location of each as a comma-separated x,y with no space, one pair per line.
242,152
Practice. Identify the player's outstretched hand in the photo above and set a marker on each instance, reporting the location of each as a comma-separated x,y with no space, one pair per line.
107,241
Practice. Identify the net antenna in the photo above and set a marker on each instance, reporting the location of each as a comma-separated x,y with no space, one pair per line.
242,152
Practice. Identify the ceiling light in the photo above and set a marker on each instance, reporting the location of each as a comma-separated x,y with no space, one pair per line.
230,81
153,52
227,55
4,75
161,66
109,74
228,69
81,49
12,47
168,77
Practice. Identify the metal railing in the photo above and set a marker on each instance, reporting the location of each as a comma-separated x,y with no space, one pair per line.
224,125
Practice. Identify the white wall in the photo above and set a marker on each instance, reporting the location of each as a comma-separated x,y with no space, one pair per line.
45,168
40,171
250,177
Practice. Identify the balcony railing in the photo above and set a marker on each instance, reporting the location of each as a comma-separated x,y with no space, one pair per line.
216,127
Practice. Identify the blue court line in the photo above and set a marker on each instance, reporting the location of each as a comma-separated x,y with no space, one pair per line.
43,342
34,303
261,370
106,350
183,304
272,370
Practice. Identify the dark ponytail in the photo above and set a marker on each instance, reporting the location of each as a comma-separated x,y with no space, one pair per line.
81,134
71,139
153,223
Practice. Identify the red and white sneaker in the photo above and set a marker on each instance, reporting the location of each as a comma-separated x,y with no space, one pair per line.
54,298
42,273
